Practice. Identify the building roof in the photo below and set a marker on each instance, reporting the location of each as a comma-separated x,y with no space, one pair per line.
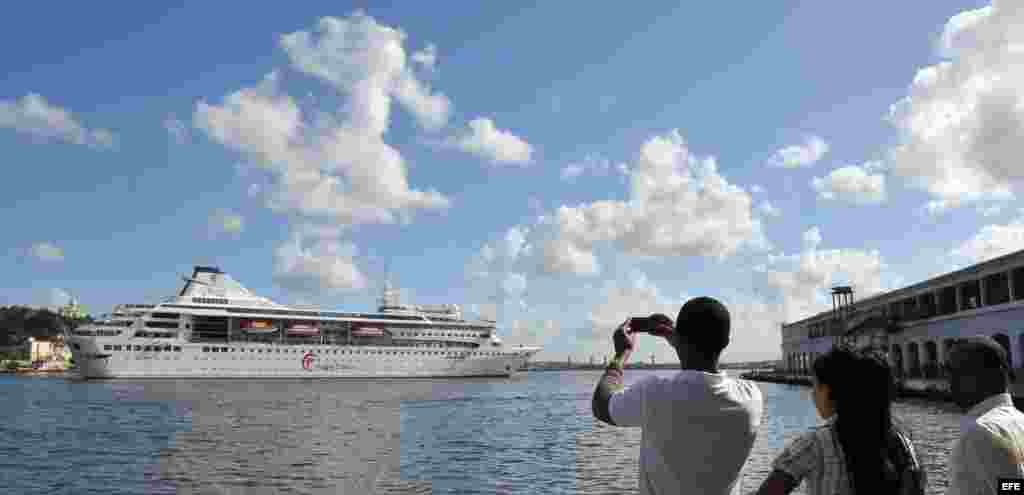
943,279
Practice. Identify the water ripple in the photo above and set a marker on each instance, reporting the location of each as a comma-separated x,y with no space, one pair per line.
532,434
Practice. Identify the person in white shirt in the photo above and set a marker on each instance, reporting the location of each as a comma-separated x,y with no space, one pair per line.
698,425
991,443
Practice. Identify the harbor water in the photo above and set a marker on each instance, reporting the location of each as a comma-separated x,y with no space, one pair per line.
533,433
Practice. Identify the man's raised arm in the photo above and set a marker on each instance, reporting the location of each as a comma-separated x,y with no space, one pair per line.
611,381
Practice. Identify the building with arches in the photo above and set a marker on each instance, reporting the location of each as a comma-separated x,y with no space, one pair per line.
916,326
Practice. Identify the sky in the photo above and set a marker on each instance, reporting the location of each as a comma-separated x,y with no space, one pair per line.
561,165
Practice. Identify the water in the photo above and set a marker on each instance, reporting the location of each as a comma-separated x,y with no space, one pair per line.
528,434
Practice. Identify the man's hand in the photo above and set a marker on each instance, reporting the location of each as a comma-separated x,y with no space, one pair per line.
624,339
611,381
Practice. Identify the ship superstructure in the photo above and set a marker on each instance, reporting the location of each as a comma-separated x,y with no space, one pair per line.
214,327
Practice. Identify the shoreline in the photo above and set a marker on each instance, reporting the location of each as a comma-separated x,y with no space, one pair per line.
933,390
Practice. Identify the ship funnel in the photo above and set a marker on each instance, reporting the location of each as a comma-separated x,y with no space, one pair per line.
488,312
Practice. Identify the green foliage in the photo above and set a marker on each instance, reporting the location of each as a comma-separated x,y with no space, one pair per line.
15,356
18,323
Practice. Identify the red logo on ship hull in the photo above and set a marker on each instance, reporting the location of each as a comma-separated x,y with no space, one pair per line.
307,361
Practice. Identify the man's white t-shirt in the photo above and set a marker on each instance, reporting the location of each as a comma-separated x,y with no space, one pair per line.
698,429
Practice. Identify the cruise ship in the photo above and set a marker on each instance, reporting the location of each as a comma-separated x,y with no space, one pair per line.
216,328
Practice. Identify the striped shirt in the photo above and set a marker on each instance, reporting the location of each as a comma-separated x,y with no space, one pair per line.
817,458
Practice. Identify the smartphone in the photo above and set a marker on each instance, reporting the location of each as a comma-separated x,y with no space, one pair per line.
642,324
648,324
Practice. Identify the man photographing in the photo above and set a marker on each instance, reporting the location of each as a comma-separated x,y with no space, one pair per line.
698,425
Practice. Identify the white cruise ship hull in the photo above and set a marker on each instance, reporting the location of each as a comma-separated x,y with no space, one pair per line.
216,328
313,361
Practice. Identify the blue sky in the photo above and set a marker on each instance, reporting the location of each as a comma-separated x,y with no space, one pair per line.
556,157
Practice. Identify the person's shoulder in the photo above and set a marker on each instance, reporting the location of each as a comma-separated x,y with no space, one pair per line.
746,384
745,389
647,381
806,443
998,423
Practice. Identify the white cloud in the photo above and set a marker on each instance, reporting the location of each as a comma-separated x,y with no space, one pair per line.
33,115
345,172
499,268
45,251
514,285
59,297
785,288
766,208
678,206
515,242
875,166
530,332
617,301
309,267
992,241
991,210
591,164
800,155
851,184
497,257
331,165
223,221
572,171
176,128
367,61
812,238
800,282
486,141
962,121
563,256
756,189
427,57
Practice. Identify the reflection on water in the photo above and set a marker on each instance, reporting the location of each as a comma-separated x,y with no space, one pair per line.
529,434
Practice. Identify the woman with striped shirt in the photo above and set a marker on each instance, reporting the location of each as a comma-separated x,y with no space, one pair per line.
859,450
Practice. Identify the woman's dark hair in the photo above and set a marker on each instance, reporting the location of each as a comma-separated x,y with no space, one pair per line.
862,389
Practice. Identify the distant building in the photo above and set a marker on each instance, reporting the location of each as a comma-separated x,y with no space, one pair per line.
915,326
72,310
46,348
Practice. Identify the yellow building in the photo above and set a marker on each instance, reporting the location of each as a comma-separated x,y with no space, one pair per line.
46,348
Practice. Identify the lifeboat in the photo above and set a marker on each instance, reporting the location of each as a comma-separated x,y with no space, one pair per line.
303,329
367,332
257,327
